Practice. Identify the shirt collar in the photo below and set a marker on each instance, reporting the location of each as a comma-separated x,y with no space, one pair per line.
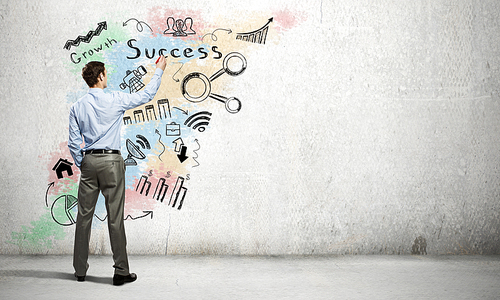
95,91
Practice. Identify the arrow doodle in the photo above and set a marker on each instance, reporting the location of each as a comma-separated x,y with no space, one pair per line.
46,194
183,111
87,38
182,157
268,22
178,144
194,151
159,141
213,36
177,80
138,25
147,213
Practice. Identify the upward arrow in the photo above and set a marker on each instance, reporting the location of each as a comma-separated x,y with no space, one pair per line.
86,39
178,144
102,26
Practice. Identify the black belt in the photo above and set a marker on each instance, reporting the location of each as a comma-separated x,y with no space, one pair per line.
102,151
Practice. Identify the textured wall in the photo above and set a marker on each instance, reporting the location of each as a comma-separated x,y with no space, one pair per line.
364,125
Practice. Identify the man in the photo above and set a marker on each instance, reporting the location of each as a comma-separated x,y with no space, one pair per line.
97,117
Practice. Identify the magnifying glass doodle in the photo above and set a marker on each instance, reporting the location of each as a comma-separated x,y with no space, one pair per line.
232,104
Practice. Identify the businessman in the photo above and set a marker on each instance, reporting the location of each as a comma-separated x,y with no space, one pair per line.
96,119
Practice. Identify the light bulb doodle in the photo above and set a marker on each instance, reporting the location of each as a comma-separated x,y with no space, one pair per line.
233,105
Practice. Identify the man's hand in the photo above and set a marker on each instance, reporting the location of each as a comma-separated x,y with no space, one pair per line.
161,63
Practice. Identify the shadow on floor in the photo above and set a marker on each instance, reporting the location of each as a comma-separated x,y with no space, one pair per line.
53,275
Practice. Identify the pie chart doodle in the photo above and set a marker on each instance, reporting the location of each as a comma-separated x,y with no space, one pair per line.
64,210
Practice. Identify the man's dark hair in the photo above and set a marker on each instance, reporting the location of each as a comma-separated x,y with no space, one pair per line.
91,71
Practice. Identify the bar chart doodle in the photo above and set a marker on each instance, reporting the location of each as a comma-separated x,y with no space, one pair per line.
144,185
164,108
178,194
257,36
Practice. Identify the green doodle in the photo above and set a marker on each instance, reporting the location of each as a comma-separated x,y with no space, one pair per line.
96,48
40,235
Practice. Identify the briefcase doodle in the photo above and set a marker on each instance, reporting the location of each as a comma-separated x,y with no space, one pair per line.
173,129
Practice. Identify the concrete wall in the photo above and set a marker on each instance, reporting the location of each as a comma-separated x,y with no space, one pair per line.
364,125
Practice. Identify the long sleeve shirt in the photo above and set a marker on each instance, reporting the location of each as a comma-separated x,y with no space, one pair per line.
96,118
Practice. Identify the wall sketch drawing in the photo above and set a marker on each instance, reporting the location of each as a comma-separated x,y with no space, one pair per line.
198,120
143,141
144,185
164,108
150,112
138,25
146,213
257,36
173,129
133,152
213,36
127,120
196,153
129,217
178,193
226,65
138,116
161,158
160,190
63,165
182,155
132,80
87,38
173,76
179,27
233,105
64,210
178,144
161,143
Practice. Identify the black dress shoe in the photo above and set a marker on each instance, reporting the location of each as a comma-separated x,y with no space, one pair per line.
80,278
120,279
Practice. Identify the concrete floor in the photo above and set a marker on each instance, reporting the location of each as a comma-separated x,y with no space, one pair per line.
232,277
